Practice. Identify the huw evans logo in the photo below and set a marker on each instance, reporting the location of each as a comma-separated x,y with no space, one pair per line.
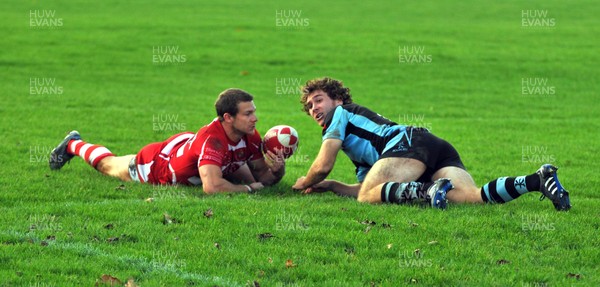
413,55
536,19
167,55
44,19
290,19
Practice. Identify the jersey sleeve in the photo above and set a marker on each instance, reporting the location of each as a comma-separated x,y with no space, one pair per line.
336,123
212,151
361,173
255,148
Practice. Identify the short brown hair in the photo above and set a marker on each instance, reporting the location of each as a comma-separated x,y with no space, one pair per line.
335,90
228,101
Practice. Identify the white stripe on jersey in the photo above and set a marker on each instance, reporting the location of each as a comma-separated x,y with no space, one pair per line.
202,151
165,152
144,170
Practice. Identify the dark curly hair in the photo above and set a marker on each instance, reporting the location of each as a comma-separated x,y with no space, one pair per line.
335,90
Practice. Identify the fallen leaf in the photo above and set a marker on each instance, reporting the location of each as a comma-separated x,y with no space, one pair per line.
389,246
244,73
44,243
217,245
289,263
385,225
50,237
149,199
255,284
113,281
109,226
368,229
260,273
270,260
349,250
432,242
573,275
502,262
344,209
368,222
112,239
265,236
120,187
131,283
414,224
208,213
167,219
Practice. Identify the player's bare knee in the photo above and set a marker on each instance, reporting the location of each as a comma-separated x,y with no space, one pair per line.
364,196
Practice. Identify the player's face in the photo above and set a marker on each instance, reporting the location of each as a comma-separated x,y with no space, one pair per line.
320,104
245,120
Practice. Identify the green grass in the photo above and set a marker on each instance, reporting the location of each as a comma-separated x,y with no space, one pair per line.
87,225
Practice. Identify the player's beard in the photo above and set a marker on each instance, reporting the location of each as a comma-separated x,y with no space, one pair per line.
245,129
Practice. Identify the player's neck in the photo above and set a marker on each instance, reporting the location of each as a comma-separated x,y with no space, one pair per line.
231,134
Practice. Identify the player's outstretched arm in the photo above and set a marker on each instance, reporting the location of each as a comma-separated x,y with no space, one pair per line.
322,165
270,169
213,181
337,187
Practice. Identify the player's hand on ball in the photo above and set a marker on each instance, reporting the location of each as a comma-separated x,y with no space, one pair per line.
275,161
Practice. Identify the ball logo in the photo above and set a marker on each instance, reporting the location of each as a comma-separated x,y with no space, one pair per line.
281,137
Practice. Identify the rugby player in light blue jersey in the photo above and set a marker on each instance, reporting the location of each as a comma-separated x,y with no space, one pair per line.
401,164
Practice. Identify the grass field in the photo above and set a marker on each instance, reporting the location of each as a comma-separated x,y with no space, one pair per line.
512,84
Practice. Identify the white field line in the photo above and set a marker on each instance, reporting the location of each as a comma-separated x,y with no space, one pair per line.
140,263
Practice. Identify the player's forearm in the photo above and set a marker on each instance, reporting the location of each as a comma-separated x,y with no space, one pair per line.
343,189
314,176
225,186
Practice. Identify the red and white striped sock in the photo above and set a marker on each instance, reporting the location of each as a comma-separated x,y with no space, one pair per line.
91,153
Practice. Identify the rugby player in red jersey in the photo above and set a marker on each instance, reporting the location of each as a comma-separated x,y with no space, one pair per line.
223,156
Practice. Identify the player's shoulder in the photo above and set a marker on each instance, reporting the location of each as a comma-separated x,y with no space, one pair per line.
213,135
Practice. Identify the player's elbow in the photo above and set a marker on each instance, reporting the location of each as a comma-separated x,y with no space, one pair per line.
210,188
272,180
